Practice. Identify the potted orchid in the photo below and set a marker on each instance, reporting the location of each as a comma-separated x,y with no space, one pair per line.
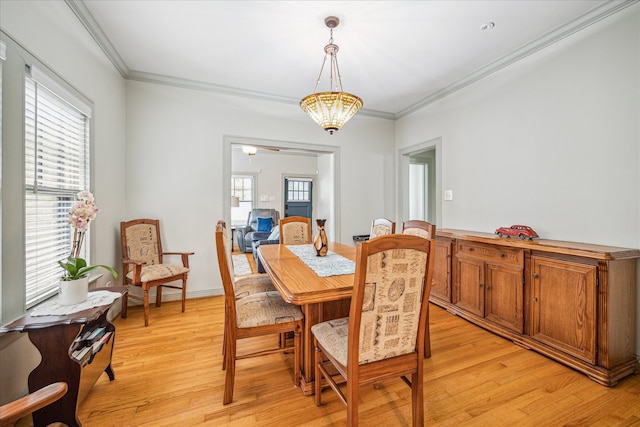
74,283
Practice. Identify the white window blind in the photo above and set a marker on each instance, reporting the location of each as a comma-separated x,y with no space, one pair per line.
56,169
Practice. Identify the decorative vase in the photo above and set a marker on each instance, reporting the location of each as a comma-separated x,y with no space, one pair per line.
71,292
320,242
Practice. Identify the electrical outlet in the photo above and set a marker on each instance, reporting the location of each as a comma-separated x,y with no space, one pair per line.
448,194
264,198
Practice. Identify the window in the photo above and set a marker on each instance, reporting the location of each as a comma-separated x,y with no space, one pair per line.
56,169
242,188
298,190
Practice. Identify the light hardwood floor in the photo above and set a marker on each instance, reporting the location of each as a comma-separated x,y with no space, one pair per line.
169,374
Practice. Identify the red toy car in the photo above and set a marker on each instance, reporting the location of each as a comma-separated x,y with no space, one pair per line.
521,231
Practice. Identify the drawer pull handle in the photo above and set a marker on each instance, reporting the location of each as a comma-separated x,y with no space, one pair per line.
501,255
480,284
535,299
535,275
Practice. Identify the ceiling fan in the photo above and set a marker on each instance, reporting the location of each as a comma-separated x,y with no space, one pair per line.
251,150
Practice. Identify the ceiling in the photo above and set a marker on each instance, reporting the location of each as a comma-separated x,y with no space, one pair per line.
396,55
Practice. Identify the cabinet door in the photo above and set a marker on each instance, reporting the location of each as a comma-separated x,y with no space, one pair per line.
441,288
469,289
564,306
503,296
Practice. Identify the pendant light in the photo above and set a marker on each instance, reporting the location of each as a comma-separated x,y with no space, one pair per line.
332,109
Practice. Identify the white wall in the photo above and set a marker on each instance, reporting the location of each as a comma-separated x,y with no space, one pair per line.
270,169
175,168
50,31
552,141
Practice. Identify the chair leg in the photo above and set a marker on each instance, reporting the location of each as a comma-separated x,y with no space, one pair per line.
352,403
125,304
230,369
318,376
184,292
417,404
297,343
146,307
159,296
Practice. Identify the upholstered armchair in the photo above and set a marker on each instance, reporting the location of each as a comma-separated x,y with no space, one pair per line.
272,239
245,234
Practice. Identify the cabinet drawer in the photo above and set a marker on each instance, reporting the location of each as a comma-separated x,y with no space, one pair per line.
491,253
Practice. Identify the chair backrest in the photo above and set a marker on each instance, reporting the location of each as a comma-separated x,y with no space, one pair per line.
389,304
141,241
255,213
382,227
295,230
416,227
225,264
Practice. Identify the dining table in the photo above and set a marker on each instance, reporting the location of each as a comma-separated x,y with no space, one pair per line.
320,286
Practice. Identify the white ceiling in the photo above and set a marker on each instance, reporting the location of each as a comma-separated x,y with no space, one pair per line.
396,55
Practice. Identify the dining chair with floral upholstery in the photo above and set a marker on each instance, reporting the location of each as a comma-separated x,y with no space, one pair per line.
383,337
382,227
259,314
144,266
295,230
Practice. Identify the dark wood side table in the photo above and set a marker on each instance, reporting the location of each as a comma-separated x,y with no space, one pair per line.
233,231
54,337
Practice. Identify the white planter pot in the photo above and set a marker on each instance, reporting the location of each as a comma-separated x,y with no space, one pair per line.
72,292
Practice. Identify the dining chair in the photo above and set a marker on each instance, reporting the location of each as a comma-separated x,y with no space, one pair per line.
416,227
244,286
260,314
295,230
143,264
12,411
381,227
383,337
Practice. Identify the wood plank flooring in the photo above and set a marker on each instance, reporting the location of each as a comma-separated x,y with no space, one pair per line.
169,374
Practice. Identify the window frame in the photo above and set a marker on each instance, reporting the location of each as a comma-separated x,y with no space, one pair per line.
64,163
241,213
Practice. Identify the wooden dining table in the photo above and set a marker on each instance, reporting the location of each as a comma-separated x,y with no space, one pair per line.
320,298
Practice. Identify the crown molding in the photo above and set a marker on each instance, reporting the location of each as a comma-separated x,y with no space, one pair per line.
593,16
228,90
589,18
86,18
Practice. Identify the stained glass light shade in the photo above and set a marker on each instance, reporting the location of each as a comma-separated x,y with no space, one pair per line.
331,110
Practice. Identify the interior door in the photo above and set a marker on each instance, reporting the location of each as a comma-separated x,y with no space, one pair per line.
298,197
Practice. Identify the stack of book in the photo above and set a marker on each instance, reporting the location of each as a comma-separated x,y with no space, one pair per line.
89,343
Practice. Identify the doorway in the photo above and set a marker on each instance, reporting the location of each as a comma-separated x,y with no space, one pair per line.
326,183
420,182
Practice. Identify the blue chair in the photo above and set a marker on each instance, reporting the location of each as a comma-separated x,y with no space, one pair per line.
245,234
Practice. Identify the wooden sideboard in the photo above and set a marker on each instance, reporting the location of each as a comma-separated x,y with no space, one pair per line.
59,339
572,302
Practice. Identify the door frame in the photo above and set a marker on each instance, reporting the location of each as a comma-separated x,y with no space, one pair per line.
404,155
333,174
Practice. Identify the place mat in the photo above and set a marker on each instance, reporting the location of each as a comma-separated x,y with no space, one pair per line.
94,299
332,264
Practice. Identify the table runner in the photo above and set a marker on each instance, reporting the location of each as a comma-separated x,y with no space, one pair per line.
332,264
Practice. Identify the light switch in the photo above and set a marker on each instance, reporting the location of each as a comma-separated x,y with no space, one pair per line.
448,194
272,198
264,198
